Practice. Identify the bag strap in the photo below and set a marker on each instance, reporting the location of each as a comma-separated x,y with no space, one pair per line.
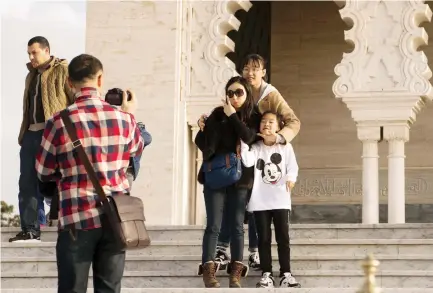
76,143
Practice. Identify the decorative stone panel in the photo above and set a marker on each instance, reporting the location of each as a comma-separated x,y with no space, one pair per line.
385,77
336,186
205,46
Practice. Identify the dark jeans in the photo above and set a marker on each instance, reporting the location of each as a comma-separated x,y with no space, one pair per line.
253,240
41,211
51,194
54,208
30,200
77,250
233,199
281,223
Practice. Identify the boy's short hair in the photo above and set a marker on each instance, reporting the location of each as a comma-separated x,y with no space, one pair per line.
279,117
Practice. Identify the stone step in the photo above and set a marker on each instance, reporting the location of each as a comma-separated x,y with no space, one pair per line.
298,247
189,263
231,290
297,231
181,279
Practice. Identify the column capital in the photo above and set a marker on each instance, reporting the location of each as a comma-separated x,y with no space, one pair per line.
396,132
368,132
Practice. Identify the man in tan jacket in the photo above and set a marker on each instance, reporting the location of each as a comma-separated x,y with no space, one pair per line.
46,93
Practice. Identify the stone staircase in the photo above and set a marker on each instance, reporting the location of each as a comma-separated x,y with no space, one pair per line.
326,258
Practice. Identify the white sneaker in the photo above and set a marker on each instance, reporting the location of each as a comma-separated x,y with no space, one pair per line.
254,260
288,281
267,281
222,258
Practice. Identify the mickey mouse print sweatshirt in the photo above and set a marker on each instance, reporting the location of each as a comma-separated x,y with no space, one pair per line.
274,166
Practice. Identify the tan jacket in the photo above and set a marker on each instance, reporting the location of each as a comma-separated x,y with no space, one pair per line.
56,93
274,101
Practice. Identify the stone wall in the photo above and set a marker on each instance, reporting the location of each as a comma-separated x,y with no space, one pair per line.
136,42
307,43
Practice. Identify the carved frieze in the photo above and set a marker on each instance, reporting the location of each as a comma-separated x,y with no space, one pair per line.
336,186
328,187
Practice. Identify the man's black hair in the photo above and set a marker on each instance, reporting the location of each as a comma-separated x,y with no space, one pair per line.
84,67
43,42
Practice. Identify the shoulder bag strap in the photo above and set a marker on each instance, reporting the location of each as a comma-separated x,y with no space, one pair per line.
82,155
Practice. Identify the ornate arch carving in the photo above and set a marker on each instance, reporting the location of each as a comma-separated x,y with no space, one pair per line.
385,66
205,44
220,44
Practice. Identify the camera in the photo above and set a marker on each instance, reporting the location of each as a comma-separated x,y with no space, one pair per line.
115,97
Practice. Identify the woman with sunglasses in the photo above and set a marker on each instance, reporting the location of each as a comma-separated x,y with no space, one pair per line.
267,98
237,119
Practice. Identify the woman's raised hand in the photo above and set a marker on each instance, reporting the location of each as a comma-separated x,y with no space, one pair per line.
228,107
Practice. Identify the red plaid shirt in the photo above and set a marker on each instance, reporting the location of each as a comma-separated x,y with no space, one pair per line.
109,137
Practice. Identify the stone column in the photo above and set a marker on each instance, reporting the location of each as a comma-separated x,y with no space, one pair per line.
396,135
370,135
198,202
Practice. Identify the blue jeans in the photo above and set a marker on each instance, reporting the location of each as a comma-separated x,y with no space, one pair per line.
253,240
231,199
30,200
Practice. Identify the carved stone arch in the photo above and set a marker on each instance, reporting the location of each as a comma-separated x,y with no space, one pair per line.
220,44
253,35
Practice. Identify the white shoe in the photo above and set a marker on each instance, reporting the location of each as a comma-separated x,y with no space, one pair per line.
288,281
254,260
267,281
222,258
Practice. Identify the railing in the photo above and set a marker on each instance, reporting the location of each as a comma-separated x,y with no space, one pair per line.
369,266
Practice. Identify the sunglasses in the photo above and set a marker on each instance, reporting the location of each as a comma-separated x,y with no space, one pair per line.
239,93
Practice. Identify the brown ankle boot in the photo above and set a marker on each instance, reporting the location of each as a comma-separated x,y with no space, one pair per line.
208,270
237,269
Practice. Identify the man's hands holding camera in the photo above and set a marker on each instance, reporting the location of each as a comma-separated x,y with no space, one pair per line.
126,100
129,105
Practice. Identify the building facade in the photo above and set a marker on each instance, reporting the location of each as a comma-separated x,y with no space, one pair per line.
355,73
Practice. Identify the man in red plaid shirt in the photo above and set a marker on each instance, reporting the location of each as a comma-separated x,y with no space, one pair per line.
110,137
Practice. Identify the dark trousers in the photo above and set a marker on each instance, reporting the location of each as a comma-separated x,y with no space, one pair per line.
77,250
54,209
224,237
29,196
51,194
264,220
234,200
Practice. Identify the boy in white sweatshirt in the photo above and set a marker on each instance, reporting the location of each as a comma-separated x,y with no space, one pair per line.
275,174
